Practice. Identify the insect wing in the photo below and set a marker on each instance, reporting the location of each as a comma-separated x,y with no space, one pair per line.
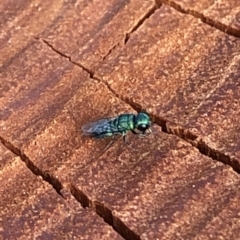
97,127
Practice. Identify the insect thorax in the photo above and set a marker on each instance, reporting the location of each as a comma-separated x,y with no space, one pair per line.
124,122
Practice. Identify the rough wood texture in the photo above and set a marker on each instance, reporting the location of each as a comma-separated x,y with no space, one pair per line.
66,63
103,26
30,208
221,14
193,81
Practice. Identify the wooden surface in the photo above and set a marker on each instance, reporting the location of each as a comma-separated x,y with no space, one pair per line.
66,63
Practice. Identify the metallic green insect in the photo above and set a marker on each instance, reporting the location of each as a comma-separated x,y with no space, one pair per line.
138,124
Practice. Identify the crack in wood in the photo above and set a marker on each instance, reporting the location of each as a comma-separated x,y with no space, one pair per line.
184,134
141,21
90,72
105,213
79,195
53,181
197,142
110,51
213,23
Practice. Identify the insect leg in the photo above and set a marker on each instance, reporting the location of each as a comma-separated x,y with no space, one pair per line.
146,132
134,132
108,146
126,142
125,138
110,143
143,134
124,134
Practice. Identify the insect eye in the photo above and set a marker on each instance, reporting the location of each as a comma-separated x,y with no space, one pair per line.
142,127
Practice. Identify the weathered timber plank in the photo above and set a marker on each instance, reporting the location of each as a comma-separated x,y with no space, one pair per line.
31,209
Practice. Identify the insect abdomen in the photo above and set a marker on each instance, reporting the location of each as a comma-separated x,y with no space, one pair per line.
103,135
